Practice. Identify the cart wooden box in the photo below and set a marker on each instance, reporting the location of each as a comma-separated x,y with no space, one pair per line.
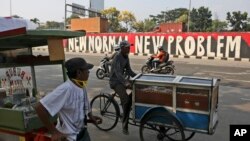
194,100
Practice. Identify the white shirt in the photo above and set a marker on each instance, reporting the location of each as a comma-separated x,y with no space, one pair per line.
69,102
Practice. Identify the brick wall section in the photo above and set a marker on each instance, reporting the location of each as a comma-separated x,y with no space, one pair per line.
90,25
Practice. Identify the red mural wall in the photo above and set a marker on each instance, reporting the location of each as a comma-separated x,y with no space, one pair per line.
214,45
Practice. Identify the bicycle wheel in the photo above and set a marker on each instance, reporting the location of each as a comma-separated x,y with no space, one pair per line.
106,108
156,125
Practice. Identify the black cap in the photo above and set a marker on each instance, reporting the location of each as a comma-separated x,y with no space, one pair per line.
125,43
77,63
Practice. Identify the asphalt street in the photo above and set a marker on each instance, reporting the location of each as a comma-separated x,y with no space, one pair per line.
234,97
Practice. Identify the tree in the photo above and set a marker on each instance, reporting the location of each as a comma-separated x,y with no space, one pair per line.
139,26
248,27
53,25
112,15
35,20
73,16
200,19
16,16
175,14
237,21
218,25
248,24
169,16
144,26
182,19
128,19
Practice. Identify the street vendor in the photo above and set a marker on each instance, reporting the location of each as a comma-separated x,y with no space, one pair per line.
117,81
70,102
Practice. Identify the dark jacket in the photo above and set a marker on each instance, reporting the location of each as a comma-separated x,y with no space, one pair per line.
119,65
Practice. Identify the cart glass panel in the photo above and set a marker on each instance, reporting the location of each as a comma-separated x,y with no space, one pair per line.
155,78
158,95
196,81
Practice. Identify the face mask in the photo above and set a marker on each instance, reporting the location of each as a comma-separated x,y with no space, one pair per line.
80,83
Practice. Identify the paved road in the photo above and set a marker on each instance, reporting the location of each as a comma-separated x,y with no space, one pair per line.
234,97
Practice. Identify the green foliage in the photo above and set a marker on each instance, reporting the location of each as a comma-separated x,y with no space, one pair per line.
52,25
182,19
128,19
119,21
35,20
16,16
144,26
237,21
200,19
218,26
112,15
169,16
248,27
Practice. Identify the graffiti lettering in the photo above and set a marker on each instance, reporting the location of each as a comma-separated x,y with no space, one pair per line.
210,45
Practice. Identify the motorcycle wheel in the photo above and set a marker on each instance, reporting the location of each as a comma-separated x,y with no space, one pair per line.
100,74
167,70
145,69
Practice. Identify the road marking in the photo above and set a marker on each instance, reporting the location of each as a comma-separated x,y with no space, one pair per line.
238,80
241,73
223,78
246,99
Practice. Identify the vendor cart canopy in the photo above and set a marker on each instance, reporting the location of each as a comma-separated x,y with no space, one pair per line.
10,23
34,38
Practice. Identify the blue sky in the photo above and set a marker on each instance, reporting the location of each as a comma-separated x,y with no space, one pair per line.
48,10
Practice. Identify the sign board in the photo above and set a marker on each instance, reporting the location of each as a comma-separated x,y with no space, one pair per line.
96,5
78,9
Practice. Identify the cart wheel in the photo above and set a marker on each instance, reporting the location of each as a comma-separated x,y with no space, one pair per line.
106,108
154,126
171,134
100,74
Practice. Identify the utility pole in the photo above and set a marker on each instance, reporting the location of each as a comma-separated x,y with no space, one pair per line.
189,15
10,8
65,14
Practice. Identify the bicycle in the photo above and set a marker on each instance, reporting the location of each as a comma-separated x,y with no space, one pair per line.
157,123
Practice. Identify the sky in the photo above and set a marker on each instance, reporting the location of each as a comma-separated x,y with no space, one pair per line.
53,10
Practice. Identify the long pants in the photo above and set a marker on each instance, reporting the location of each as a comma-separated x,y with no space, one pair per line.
83,135
126,101
156,63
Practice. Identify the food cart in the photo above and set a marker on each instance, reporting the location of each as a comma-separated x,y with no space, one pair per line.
165,106
193,101
18,88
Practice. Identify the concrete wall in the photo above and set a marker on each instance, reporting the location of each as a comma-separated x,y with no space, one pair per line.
222,46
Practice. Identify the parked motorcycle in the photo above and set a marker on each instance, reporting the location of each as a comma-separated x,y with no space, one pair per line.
167,68
103,71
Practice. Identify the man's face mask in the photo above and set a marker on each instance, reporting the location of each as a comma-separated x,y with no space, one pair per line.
82,84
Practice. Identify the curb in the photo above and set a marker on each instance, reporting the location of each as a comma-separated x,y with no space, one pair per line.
45,49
